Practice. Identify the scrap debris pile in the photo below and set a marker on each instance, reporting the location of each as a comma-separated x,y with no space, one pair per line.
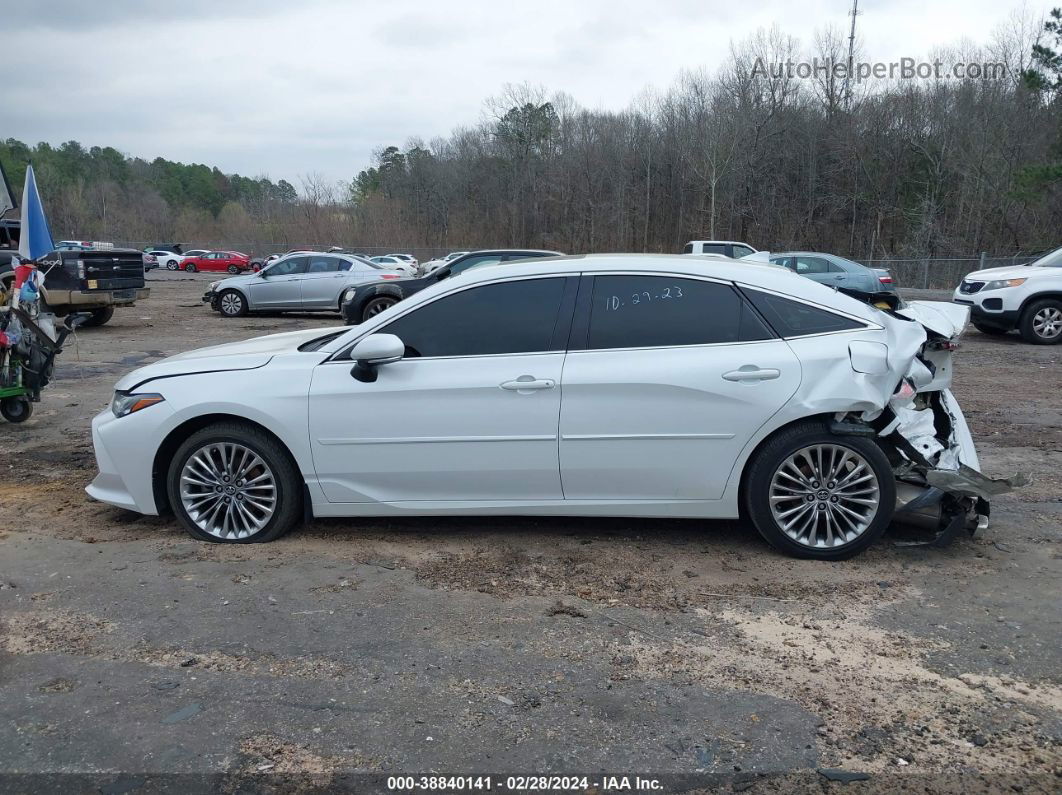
29,342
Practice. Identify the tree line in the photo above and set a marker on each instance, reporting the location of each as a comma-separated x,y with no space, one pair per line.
871,169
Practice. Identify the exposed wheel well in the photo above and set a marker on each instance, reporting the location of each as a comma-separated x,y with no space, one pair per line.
169,446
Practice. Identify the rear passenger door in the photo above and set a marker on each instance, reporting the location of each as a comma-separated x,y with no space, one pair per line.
666,379
323,282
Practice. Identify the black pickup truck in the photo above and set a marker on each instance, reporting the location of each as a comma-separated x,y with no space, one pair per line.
78,281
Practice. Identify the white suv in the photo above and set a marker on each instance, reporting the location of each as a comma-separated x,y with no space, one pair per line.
1023,297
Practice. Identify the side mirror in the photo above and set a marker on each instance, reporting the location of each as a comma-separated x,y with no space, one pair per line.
373,351
441,273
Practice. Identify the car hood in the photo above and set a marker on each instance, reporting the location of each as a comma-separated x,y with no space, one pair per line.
1012,272
244,355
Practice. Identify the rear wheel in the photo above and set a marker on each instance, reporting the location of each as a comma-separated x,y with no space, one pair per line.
231,303
812,494
994,331
233,269
232,483
378,305
190,267
16,409
98,317
1041,322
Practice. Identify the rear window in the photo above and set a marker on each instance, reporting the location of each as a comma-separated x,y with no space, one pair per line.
795,319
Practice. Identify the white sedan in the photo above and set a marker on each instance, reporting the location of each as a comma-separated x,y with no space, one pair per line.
605,385
394,263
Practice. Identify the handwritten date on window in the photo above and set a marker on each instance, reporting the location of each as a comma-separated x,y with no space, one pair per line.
614,302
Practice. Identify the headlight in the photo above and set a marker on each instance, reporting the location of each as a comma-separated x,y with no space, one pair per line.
1001,283
125,403
349,293
214,286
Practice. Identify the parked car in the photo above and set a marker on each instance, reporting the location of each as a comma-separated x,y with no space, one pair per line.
82,245
1023,297
728,248
361,303
407,258
394,263
834,271
435,264
644,385
94,281
231,261
167,259
151,262
308,282
173,248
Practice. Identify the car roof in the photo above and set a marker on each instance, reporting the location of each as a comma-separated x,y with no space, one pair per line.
714,266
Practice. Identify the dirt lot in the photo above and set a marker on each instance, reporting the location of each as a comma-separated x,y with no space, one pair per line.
626,647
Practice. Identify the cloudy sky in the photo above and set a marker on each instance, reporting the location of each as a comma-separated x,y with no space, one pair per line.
286,89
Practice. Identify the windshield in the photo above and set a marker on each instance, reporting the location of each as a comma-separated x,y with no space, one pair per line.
1052,260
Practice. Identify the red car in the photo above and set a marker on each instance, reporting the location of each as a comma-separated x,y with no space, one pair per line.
231,261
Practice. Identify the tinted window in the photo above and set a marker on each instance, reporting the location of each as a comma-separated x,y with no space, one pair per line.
288,267
322,265
510,317
794,319
713,249
742,251
344,265
688,249
650,311
809,265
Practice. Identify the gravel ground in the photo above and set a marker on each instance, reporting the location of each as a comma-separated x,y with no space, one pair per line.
459,646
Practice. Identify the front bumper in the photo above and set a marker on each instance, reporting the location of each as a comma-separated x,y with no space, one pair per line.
96,297
210,297
125,456
1002,318
351,315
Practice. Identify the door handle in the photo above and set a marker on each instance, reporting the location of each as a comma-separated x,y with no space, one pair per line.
750,373
527,384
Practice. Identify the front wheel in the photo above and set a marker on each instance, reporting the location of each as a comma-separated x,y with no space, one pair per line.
812,494
232,304
232,483
1041,322
378,305
16,409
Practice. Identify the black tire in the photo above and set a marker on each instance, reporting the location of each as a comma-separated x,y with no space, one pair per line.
190,267
99,317
233,269
172,265
993,331
377,305
16,409
288,510
231,303
770,458
1041,322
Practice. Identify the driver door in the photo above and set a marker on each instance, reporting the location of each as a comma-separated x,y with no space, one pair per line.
470,413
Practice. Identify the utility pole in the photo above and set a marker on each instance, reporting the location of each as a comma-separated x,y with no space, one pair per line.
851,57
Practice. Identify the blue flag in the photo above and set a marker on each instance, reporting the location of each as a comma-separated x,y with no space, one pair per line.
35,240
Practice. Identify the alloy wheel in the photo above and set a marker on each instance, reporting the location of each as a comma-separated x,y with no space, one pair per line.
1047,323
231,304
378,306
228,490
824,496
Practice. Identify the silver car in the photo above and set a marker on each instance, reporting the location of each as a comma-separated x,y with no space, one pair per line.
306,281
834,271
